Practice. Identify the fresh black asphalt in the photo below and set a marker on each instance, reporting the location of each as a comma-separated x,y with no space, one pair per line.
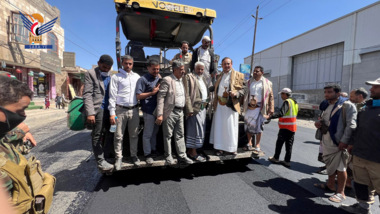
251,186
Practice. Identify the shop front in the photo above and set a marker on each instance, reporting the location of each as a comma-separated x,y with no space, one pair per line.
41,82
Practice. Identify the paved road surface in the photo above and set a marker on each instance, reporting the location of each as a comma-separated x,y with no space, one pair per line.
235,187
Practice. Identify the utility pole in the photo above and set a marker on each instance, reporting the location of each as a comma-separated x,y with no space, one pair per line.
254,37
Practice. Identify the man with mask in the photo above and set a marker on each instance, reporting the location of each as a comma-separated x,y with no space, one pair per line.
20,135
14,114
30,189
95,98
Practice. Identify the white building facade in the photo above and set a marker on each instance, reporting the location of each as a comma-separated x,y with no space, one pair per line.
344,51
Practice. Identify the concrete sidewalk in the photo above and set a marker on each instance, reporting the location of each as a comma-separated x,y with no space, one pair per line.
39,117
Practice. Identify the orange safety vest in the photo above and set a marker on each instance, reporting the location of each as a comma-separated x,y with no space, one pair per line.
289,120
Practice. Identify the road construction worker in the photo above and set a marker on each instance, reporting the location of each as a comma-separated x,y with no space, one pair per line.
288,127
30,189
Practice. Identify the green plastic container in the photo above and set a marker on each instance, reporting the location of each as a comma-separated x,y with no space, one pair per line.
76,119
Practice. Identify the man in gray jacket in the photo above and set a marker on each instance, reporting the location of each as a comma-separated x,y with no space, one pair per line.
339,116
169,112
95,98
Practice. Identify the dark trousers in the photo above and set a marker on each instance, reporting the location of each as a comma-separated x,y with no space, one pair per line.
287,137
99,130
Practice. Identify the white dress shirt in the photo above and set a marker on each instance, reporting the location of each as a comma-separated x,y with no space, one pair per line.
202,87
256,88
204,56
122,90
179,93
224,83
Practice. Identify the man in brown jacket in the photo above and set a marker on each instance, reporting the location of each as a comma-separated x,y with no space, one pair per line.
197,96
229,87
169,112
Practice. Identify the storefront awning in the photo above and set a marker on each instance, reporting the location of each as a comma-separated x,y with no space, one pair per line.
20,65
45,67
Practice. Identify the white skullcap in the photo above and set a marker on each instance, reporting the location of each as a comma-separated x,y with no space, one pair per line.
206,38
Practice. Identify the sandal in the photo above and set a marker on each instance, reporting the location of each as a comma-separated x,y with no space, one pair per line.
231,153
337,198
258,153
322,170
248,148
219,153
324,187
198,158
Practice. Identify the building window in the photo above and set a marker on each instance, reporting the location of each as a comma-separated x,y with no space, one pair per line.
52,40
18,32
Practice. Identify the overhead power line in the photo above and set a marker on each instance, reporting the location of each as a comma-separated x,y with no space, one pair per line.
232,31
237,26
245,32
82,40
266,4
277,8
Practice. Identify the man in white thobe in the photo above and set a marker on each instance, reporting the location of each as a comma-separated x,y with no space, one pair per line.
229,87
204,54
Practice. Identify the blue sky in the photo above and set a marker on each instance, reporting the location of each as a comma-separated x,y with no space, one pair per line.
90,25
